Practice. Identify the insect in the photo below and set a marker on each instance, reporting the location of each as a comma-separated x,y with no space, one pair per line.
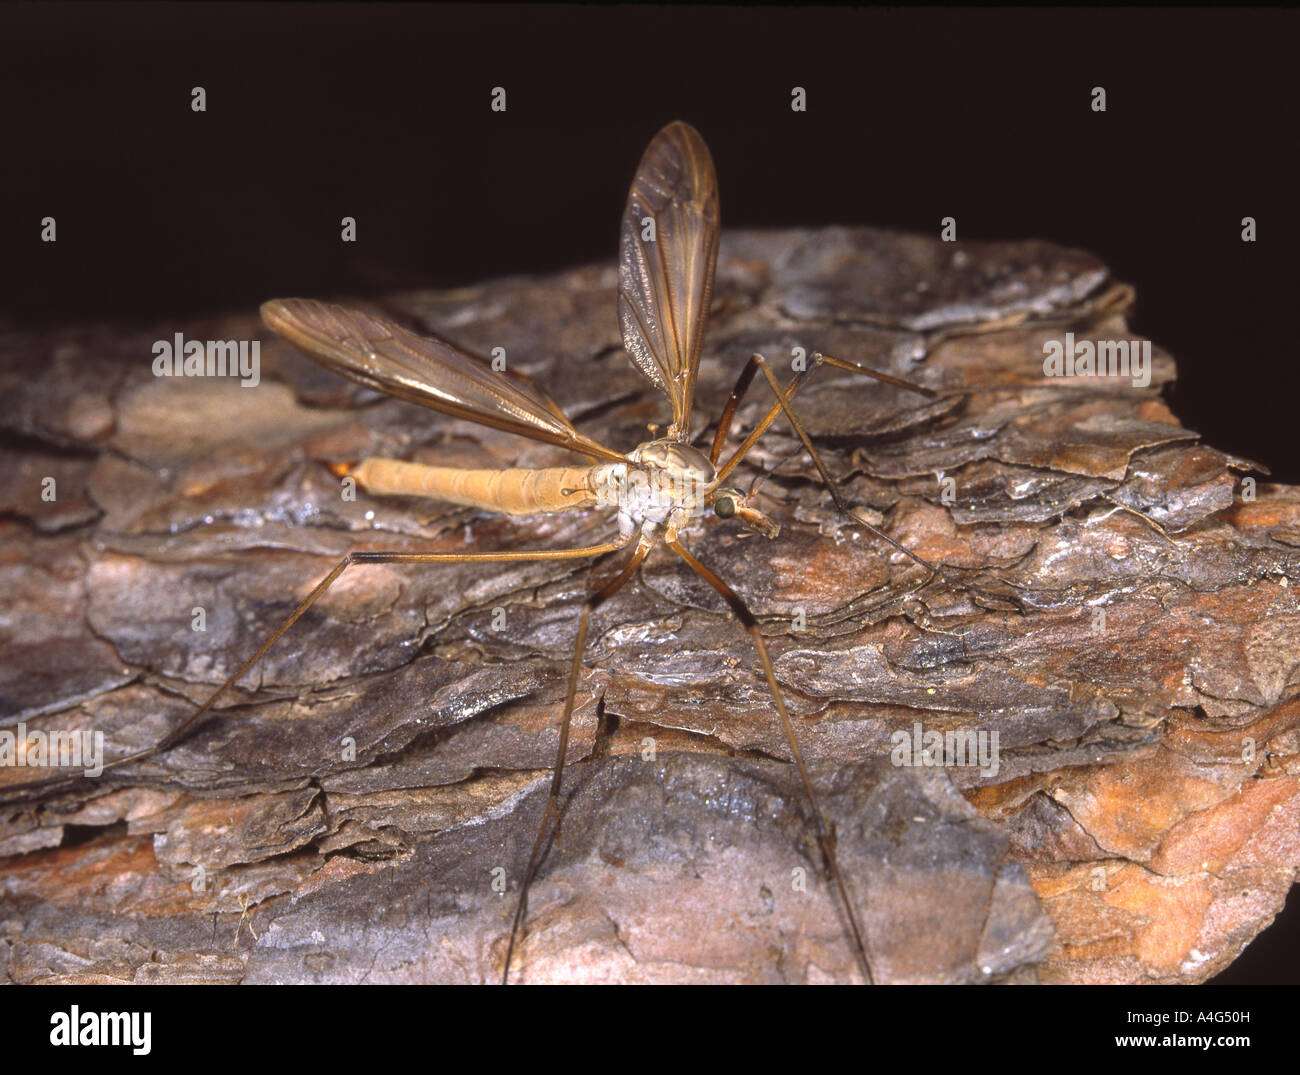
661,492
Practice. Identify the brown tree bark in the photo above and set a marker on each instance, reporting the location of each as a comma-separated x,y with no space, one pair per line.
1118,607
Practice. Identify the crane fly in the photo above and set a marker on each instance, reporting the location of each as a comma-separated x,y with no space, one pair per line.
662,490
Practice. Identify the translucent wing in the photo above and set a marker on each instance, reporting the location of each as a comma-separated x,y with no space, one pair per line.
422,369
666,275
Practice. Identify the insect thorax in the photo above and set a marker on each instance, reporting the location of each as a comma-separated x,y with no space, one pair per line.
668,490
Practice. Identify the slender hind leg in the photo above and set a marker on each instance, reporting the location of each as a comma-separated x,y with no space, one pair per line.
825,833
783,404
758,362
742,386
593,601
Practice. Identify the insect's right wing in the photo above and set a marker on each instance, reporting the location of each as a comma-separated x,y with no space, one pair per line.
423,369
666,277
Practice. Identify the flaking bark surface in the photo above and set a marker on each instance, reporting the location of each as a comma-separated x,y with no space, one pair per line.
1116,611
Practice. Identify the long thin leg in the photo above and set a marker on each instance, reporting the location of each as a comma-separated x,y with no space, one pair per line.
733,404
783,404
175,735
742,386
825,835
593,601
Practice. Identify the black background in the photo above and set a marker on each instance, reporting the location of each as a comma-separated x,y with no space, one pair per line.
382,113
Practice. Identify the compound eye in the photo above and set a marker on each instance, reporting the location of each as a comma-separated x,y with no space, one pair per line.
725,507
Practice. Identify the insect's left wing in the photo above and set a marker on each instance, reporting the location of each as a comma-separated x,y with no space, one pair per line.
423,369
667,251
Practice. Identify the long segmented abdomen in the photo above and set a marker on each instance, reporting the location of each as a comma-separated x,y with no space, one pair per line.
514,491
